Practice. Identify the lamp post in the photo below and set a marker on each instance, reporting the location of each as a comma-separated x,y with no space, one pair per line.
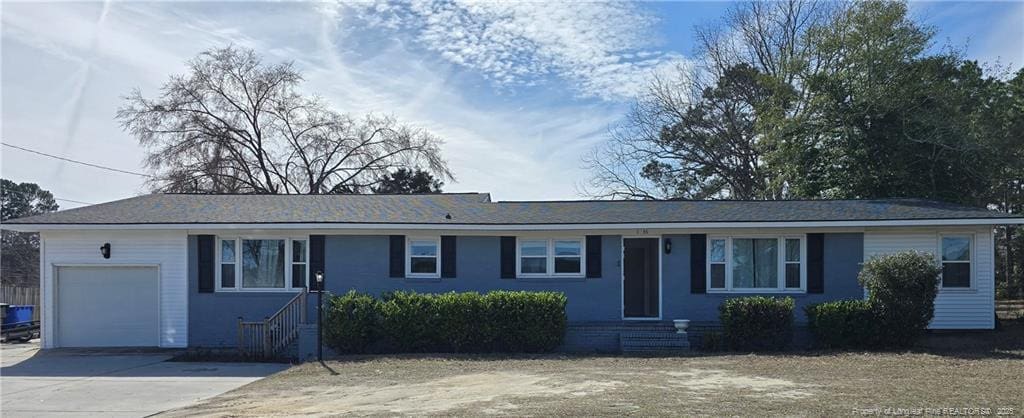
319,315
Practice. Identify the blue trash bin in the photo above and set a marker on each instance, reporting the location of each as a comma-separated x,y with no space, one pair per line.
18,316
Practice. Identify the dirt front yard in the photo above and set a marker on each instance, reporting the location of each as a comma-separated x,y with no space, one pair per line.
789,384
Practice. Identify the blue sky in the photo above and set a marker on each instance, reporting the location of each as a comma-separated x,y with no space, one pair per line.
519,91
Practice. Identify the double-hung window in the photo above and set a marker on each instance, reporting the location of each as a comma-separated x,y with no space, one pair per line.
547,257
533,257
756,264
262,264
956,261
793,263
424,258
300,262
568,256
716,256
227,263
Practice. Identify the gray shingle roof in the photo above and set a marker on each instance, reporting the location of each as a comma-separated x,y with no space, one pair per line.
476,208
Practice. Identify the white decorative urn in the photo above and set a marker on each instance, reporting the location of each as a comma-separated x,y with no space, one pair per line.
681,325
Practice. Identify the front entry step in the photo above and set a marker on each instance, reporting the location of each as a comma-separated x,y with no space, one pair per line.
653,341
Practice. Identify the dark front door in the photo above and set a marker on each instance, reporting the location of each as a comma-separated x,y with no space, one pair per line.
640,292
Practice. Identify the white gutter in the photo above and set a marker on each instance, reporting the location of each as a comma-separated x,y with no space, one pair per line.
519,227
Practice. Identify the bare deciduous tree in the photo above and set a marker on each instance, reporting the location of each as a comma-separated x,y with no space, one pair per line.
236,125
691,136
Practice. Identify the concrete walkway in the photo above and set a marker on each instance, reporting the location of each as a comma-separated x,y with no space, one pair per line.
111,382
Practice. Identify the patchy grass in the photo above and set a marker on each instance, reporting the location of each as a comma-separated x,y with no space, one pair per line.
988,373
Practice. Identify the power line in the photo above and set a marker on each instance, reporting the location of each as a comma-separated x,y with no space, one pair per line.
74,201
55,198
102,167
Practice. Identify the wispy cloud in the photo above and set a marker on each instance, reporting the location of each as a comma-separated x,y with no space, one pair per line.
603,50
527,148
421,62
519,146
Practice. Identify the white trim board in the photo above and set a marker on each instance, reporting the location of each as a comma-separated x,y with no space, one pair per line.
520,227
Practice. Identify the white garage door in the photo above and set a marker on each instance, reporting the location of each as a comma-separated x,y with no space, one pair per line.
107,307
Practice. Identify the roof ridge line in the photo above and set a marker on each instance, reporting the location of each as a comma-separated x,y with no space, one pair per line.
309,194
890,199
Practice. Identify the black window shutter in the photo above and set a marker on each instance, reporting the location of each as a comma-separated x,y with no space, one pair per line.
815,263
593,256
207,263
316,261
698,263
448,257
397,261
508,257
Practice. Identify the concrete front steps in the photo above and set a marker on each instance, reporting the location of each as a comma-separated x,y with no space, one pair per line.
653,342
625,337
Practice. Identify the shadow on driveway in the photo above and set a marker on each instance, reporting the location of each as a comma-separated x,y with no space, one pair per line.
114,382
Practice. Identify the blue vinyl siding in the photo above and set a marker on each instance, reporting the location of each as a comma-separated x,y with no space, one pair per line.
361,263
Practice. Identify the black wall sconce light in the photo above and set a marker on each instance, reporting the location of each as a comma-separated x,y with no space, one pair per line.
105,250
668,246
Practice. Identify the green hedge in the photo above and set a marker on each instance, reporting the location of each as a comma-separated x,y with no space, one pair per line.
525,321
757,323
351,322
843,324
902,288
901,302
448,322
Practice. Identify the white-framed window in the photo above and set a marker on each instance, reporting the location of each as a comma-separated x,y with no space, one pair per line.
793,270
228,265
262,263
757,264
717,264
550,257
300,261
423,257
955,253
568,256
533,257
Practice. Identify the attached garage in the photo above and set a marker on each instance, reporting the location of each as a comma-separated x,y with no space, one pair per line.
107,306
134,293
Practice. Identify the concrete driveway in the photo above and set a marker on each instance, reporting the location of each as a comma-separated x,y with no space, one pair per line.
111,382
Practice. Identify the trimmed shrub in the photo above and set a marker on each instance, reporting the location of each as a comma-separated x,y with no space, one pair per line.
526,321
351,322
757,323
711,341
409,322
448,322
458,314
901,289
843,324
